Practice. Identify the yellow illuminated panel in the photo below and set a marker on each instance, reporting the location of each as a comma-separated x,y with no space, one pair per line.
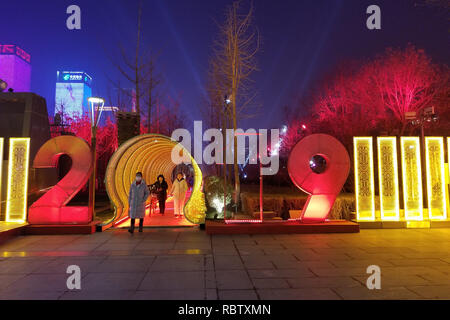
412,178
388,178
16,201
447,174
436,193
1,169
364,178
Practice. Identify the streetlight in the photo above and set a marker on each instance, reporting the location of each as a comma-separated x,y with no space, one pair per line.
227,101
427,114
96,108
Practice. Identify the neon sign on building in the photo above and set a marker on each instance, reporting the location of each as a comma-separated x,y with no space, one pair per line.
15,67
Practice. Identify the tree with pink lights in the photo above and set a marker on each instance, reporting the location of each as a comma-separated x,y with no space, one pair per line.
372,98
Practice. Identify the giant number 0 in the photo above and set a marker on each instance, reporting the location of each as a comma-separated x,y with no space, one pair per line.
324,185
51,207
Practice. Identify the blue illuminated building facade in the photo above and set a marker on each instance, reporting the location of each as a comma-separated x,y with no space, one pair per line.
73,88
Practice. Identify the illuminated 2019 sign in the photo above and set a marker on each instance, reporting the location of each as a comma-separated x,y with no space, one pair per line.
411,178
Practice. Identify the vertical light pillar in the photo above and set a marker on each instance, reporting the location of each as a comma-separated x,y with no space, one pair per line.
447,175
16,201
388,178
364,178
436,188
412,178
1,168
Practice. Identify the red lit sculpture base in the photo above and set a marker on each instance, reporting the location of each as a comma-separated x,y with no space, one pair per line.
37,229
281,227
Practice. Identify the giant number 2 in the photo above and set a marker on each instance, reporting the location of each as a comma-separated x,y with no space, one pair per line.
319,165
51,207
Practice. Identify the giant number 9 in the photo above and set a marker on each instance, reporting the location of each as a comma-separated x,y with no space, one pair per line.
319,165
51,207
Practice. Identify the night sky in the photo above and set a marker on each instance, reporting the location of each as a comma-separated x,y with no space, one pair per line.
302,41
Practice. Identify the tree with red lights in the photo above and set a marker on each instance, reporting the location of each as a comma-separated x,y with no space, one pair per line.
372,99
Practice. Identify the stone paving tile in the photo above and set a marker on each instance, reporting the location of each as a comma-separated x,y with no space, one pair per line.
59,266
22,266
168,295
152,245
210,279
366,256
361,263
97,295
397,280
8,279
324,282
79,247
438,278
211,294
432,292
178,263
270,283
228,262
258,264
419,262
298,294
30,295
411,270
281,273
337,272
225,251
38,282
209,262
443,269
237,295
444,256
233,279
111,281
390,293
311,256
392,250
124,265
117,246
280,264
185,280
250,250
192,245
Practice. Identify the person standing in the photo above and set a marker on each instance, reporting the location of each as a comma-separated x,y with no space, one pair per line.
179,188
136,201
161,192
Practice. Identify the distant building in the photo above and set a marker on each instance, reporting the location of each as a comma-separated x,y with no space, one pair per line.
73,88
15,67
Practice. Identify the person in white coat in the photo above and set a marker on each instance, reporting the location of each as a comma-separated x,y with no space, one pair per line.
136,200
179,188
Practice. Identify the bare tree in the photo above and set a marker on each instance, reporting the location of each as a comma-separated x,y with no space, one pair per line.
153,79
231,67
140,71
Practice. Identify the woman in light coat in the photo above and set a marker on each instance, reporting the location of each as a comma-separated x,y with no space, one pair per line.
179,188
136,201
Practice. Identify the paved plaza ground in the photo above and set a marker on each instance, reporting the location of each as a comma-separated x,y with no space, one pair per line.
186,263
